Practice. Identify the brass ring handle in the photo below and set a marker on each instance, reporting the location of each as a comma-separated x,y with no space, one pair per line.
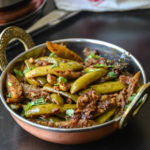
134,106
9,34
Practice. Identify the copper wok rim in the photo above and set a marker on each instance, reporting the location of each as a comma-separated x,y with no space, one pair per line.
93,41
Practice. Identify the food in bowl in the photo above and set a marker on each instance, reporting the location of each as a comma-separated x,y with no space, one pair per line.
62,90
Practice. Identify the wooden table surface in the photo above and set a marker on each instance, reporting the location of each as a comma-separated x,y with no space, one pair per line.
130,30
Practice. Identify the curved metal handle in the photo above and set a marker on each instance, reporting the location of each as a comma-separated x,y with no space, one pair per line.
135,106
9,34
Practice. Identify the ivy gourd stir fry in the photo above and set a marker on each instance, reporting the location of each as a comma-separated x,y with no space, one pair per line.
63,90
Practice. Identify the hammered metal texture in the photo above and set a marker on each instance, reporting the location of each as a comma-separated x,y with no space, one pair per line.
9,34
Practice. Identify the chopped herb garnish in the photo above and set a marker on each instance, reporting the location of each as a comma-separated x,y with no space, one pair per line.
87,58
92,55
69,63
9,95
100,65
132,97
103,65
54,65
56,84
126,106
108,61
22,113
140,101
61,80
52,55
18,73
34,103
69,112
111,66
93,70
39,101
29,105
26,70
9,84
112,74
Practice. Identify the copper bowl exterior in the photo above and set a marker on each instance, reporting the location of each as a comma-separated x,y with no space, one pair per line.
69,137
61,135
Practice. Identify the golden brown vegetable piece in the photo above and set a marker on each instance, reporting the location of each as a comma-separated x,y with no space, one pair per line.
51,79
41,71
57,99
33,81
118,114
68,106
65,87
133,84
42,80
62,51
45,109
139,88
48,109
61,62
72,65
29,65
107,87
104,117
85,80
39,81
64,70
14,100
13,86
68,74
50,89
